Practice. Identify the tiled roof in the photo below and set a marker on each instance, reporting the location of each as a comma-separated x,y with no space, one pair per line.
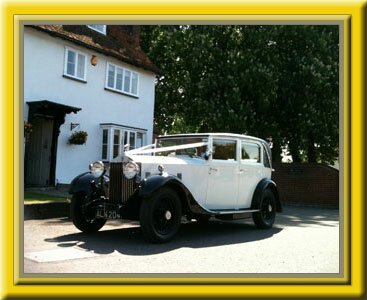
120,46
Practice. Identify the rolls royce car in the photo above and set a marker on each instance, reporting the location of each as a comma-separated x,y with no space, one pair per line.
197,176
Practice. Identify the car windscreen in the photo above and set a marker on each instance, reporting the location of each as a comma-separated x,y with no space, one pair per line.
198,151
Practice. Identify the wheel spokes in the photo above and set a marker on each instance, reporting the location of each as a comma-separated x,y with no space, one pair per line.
267,210
163,216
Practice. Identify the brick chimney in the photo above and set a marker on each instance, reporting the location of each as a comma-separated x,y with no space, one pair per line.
128,36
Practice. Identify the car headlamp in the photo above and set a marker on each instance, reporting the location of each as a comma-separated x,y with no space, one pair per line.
130,170
97,168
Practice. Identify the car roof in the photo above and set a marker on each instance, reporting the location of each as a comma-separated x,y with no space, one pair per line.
217,134
224,135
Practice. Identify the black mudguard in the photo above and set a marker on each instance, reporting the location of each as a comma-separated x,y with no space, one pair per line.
260,188
85,183
153,183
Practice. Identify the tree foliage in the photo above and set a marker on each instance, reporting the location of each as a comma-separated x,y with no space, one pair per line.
278,82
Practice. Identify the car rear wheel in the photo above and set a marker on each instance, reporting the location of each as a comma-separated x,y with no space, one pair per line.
83,220
160,216
265,218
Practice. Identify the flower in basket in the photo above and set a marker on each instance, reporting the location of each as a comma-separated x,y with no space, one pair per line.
78,138
27,127
27,130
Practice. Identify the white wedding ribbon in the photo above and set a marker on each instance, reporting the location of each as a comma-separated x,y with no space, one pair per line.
143,150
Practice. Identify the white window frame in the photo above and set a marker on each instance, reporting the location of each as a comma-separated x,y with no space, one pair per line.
103,31
120,144
122,91
77,53
110,139
135,132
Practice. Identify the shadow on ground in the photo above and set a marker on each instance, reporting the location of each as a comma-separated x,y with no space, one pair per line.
130,241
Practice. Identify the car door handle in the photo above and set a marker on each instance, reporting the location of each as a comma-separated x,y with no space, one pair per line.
212,170
241,172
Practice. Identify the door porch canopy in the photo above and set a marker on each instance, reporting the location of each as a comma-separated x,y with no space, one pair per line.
45,108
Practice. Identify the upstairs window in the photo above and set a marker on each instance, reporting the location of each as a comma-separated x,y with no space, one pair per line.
99,28
122,80
75,65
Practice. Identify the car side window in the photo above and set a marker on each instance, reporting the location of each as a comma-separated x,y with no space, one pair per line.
250,152
266,159
224,149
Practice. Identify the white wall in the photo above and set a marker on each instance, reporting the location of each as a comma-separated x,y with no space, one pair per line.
43,80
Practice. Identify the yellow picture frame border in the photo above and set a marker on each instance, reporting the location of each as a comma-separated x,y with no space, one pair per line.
352,14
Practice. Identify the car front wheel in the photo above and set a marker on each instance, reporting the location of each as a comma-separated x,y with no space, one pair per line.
160,215
265,218
81,219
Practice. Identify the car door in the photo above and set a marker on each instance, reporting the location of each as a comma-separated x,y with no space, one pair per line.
251,171
223,174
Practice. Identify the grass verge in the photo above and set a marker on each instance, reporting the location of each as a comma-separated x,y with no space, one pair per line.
38,197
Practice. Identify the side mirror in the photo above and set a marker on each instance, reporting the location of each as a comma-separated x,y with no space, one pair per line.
207,154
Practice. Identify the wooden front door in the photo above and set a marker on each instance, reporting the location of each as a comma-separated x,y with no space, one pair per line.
38,153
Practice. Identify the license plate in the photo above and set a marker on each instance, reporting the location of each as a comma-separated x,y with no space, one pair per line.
107,214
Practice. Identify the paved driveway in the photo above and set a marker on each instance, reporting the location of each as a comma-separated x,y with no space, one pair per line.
304,240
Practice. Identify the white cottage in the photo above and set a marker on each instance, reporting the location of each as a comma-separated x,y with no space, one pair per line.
92,78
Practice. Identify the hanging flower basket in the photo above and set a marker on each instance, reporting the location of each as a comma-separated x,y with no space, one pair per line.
78,138
27,130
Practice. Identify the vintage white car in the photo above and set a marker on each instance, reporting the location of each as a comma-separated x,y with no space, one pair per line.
221,175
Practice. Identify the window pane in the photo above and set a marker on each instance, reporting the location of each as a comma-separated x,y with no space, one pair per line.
116,142
125,138
81,66
119,79
250,152
224,149
115,150
111,76
169,142
139,140
116,136
100,28
70,68
132,140
127,81
134,84
266,159
104,143
105,136
104,151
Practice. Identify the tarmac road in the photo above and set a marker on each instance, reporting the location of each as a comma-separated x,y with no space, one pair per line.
303,240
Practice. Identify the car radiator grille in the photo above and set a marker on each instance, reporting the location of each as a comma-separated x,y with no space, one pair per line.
121,188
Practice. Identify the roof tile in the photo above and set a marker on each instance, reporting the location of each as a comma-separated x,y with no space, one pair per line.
118,43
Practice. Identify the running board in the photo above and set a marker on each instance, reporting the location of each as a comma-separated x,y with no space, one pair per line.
233,212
